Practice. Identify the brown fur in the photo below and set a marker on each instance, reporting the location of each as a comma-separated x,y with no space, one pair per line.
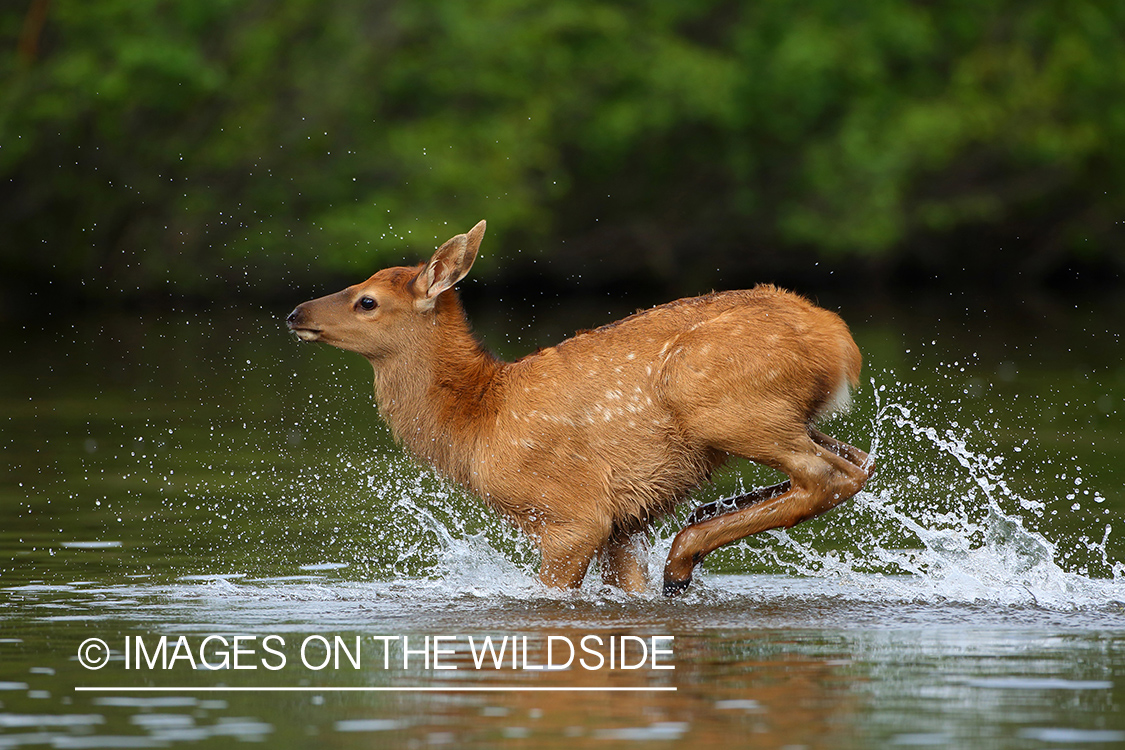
583,444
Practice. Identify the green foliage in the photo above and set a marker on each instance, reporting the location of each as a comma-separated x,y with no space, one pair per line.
164,142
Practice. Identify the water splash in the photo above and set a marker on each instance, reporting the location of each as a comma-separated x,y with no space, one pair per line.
941,520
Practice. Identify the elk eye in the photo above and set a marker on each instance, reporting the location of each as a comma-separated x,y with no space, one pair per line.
367,303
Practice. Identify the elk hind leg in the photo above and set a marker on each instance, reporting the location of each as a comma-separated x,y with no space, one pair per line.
761,494
819,480
851,453
731,504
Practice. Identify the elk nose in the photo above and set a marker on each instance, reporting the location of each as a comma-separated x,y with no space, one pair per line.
294,317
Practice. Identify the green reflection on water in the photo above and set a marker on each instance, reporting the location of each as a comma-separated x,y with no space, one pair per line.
215,443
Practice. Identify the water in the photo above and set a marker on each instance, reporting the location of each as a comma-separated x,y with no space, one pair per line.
190,476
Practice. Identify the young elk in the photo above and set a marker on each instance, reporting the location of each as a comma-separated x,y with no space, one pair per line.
584,444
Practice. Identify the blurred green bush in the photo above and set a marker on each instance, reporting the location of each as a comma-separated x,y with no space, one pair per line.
197,145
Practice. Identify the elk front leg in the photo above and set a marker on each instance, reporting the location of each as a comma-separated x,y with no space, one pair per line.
622,562
820,479
567,553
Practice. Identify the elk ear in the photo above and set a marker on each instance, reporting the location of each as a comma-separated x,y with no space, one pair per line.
450,264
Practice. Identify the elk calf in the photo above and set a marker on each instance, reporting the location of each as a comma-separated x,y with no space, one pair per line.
584,444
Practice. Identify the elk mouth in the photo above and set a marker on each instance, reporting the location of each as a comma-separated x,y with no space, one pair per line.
307,334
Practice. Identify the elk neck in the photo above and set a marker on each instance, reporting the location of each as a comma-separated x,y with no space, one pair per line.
441,390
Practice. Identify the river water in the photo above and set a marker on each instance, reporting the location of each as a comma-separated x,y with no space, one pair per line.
213,515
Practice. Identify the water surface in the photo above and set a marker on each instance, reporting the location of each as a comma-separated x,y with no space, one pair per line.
195,475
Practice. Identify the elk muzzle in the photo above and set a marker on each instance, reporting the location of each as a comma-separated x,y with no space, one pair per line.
298,322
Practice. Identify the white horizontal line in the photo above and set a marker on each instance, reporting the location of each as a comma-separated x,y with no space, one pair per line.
406,689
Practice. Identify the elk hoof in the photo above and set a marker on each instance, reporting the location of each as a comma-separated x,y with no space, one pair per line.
673,587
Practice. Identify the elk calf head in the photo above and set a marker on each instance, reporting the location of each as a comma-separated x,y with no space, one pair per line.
376,318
